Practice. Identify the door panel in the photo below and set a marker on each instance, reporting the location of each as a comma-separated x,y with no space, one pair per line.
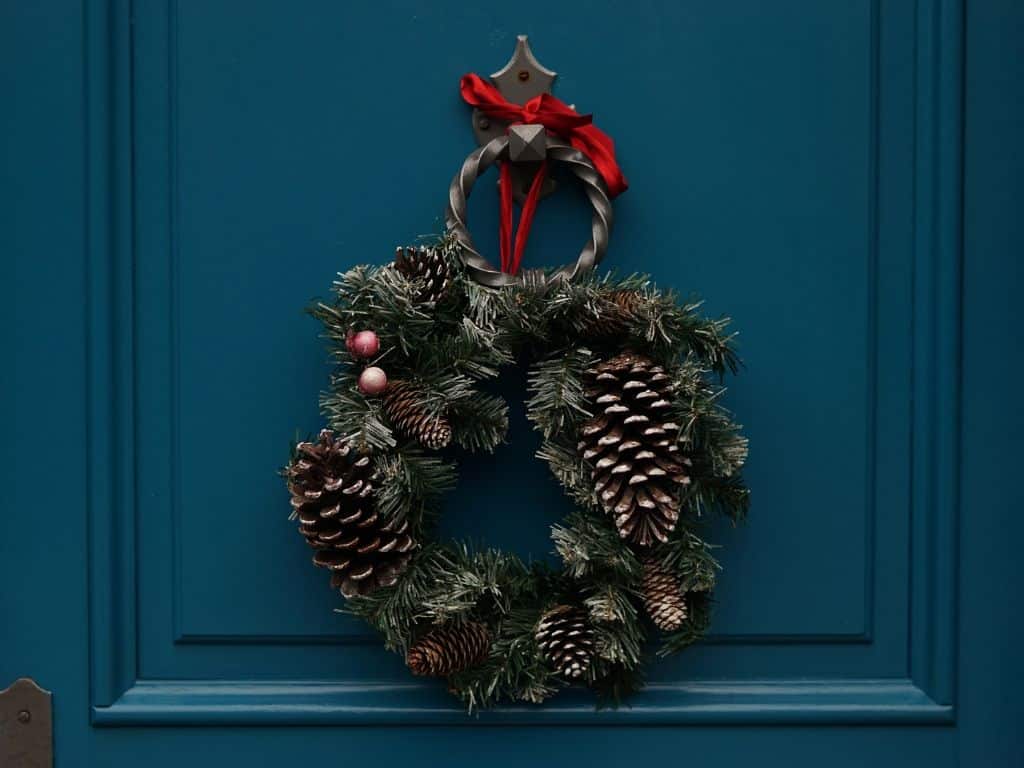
265,162
798,164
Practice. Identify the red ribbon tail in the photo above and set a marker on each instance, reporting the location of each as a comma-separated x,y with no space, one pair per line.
505,221
526,217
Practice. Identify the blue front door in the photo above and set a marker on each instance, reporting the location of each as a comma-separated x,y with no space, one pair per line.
180,179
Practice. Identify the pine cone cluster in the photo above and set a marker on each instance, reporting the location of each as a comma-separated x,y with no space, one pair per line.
614,312
449,649
402,404
566,640
427,265
631,442
332,496
663,596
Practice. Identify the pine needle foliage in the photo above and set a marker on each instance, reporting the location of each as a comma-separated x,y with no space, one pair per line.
446,349
480,422
558,400
409,480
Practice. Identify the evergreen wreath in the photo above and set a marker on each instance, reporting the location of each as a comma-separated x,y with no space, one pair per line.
624,388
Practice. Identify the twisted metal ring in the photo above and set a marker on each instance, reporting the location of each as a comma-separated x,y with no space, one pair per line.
482,159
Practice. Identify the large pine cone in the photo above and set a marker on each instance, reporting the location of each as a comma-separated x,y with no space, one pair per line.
449,649
631,443
402,406
427,265
663,596
332,495
566,640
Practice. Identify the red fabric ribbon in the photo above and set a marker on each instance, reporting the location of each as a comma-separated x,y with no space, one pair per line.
557,117
511,257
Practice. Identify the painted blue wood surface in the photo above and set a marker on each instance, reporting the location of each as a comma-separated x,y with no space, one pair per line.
179,179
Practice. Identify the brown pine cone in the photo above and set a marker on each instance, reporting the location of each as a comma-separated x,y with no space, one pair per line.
631,443
427,265
332,496
402,406
663,596
449,649
566,640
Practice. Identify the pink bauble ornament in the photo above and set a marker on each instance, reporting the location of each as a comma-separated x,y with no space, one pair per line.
372,381
364,344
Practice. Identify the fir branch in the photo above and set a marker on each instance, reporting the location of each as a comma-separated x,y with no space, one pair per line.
394,611
523,314
353,416
590,547
380,298
489,574
707,428
691,559
582,304
727,496
443,388
620,642
558,399
615,683
482,304
712,440
673,330
610,603
464,348
514,670
409,481
479,423
570,470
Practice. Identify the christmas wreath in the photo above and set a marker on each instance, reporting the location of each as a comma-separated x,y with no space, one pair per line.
625,390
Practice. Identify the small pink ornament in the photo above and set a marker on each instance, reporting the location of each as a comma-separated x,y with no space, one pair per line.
363,345
372,381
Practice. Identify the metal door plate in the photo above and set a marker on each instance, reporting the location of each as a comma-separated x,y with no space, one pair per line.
522,78
26,726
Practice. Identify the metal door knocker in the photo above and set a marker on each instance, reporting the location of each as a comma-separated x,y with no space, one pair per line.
522,127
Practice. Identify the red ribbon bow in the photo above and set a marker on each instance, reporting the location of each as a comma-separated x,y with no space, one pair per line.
557,117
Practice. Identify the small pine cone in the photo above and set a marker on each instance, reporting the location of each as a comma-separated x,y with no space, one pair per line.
449,649
615,310
427,265
631,444
402,406
663,596
566,640
332,496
